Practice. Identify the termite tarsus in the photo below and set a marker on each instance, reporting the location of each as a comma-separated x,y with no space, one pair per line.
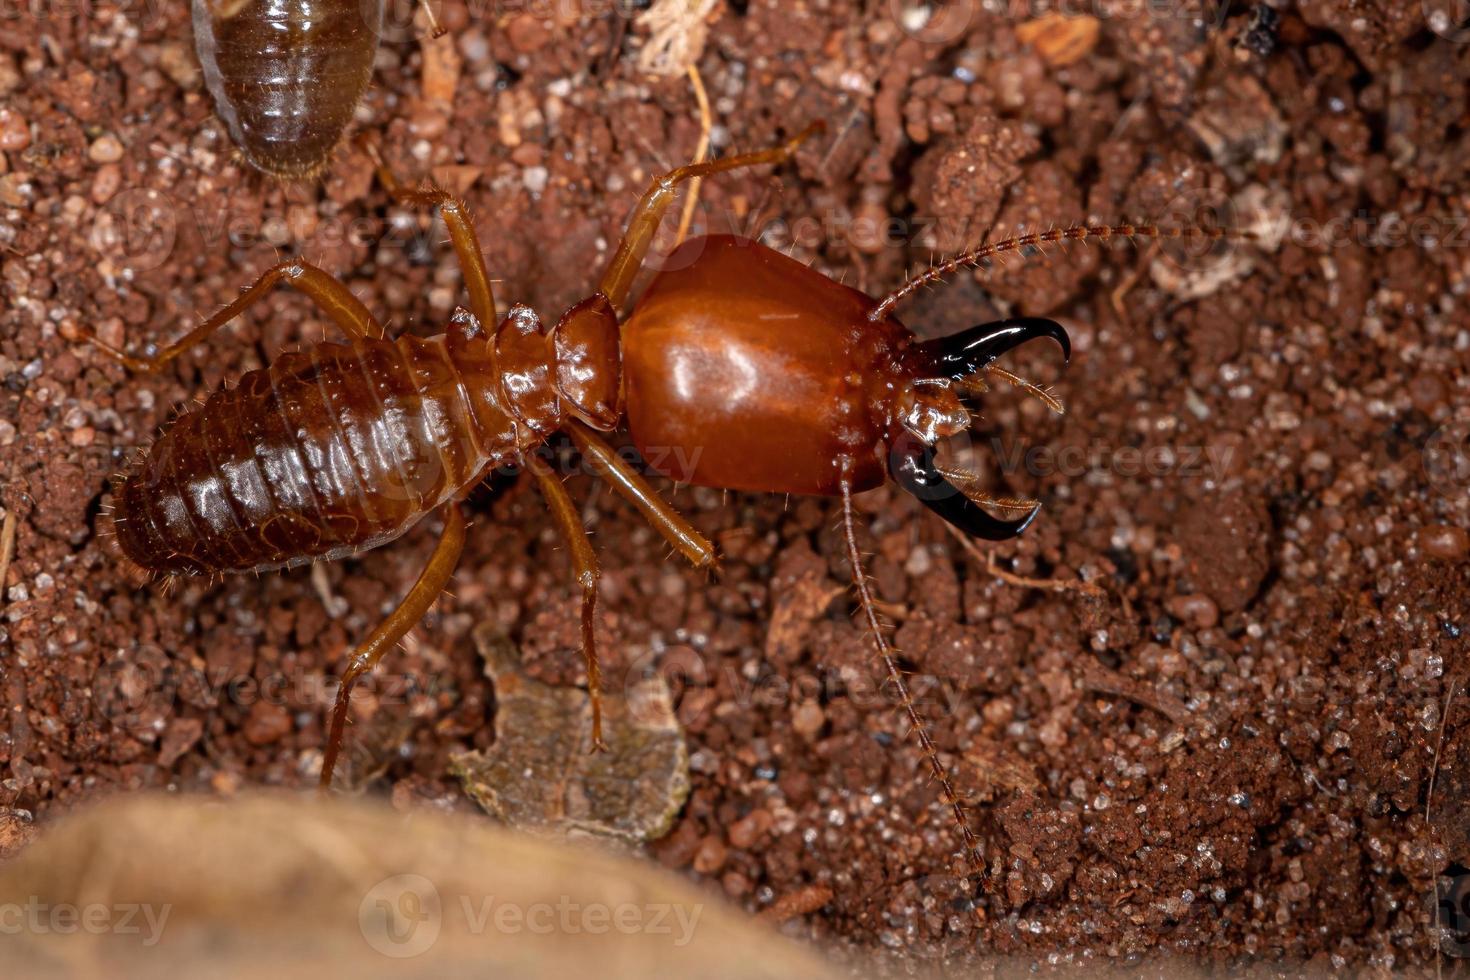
761,373
286,75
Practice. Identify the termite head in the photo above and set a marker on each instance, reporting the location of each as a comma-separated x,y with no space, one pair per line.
589,362
930,409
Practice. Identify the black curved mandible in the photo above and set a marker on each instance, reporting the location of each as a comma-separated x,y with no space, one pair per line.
911,464
971,350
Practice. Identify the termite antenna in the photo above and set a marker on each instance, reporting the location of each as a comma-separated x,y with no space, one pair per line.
895,674
1036,239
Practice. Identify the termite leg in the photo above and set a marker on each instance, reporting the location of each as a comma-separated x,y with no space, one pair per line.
630,483
461,233
617,281
584,563
431,582
890,663
334,299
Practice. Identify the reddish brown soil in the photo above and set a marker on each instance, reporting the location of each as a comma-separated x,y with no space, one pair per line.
1228,755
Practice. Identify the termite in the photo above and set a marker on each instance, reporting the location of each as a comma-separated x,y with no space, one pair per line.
762,373
286,75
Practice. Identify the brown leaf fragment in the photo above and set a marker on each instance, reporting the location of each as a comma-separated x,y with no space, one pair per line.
541,773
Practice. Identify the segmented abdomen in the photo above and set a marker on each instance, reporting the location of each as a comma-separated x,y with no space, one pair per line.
286,75
325,453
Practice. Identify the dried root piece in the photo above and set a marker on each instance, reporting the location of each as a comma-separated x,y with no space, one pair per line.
678,31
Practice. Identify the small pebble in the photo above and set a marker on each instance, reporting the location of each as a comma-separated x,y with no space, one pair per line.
111,333
869,228
105,149
15,189
711,855
10,77
528,155
747,832
267,723
527,33
474,47
808,718
1198,611
1427,392
106,182
226,783
735,884
1444,541
178,62
15,132
535,179
427,122
65,368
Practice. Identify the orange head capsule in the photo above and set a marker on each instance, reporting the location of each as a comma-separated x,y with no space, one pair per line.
747,370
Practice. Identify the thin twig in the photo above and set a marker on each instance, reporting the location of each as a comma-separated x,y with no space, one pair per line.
1444,720
7,548
706,123
1100,680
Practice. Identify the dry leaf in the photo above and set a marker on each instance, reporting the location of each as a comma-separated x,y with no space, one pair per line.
541,773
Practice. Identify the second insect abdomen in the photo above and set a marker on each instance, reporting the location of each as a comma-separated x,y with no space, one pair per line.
322,454
286,75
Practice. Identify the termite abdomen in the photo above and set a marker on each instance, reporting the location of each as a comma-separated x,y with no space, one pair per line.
286,75
323,454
